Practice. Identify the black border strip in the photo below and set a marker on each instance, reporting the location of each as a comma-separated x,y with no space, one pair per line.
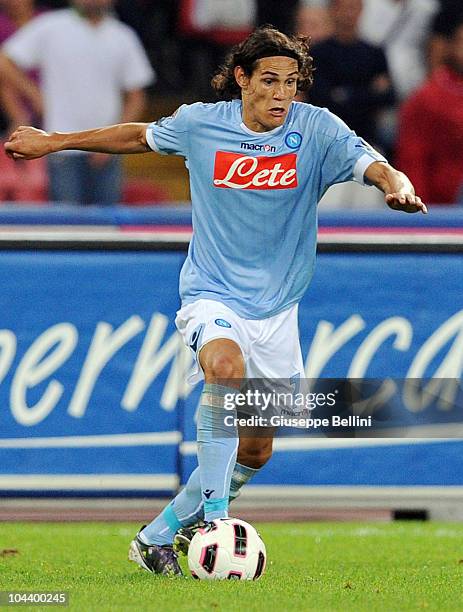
70,244
152,244
392,247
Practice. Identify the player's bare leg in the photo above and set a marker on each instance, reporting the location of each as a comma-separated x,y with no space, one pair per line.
256,446
221,360
254,450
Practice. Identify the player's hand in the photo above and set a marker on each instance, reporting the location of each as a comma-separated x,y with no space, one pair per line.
408,202
28,143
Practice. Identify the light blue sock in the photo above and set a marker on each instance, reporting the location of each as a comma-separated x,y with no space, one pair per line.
162,529
217,448
187,508
241,475
184,510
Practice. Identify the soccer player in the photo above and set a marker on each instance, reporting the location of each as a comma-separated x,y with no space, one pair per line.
259,162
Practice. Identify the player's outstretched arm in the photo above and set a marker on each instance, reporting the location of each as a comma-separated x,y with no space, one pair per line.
398,190
31,143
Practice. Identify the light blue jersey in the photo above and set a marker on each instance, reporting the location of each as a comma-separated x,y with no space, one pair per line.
254,199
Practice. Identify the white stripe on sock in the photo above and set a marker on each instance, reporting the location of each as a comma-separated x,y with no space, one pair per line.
232,456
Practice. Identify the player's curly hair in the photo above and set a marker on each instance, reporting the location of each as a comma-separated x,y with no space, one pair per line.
265,41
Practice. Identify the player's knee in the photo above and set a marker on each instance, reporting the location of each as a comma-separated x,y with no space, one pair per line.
255,456
223,366
221,359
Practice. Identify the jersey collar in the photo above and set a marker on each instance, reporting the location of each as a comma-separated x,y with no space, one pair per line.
245,128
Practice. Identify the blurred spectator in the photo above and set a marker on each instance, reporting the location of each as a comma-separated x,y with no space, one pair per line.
401,28
155,22
93,70
224,23
21,182
280,14
208,29
314,20
351,77
15,14
430,147
18,182
442,25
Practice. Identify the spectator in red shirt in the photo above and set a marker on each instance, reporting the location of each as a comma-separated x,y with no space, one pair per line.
430,144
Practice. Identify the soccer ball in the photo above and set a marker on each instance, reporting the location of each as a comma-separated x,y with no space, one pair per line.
227,549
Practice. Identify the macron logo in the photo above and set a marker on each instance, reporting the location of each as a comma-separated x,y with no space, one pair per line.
257,147
233,171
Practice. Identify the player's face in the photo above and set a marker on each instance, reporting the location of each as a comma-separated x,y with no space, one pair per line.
268,93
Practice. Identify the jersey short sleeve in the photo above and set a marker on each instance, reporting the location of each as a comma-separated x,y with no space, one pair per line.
346,155
169,135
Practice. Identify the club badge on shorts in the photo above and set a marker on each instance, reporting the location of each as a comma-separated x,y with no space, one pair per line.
222,323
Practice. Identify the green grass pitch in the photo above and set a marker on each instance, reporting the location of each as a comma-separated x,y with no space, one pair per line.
311,566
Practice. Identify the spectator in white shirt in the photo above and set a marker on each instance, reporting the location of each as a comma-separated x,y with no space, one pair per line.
93,71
